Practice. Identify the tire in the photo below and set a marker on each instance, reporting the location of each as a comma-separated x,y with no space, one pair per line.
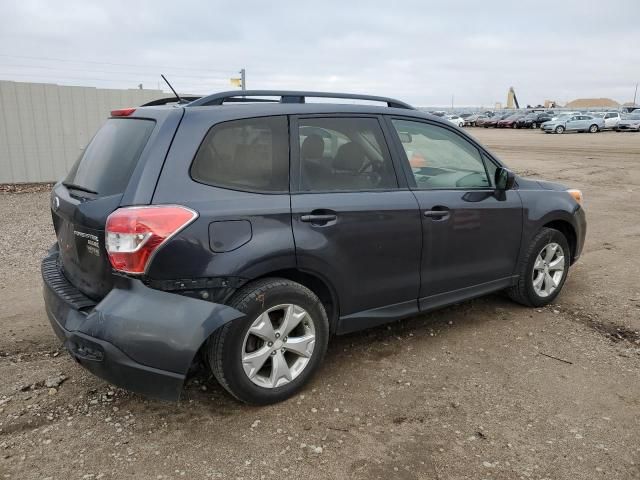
524,292
229,344
534,125
594,128
559,129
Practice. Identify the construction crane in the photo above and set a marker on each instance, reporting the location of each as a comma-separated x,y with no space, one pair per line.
512,100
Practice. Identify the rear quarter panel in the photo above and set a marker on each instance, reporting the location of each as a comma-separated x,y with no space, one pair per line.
189,254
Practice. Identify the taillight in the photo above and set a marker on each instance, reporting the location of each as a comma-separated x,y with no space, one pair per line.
122,112
134,234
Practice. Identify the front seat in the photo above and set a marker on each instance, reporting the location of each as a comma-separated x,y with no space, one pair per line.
316,175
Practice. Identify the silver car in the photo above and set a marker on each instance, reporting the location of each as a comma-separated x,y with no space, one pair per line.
629,123
574,123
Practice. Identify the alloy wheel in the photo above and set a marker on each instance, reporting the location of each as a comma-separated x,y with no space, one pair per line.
548,270
278,345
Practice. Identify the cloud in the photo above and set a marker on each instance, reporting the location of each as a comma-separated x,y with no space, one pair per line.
421,52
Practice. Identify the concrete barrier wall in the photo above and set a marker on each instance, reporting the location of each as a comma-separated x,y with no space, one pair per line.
45,127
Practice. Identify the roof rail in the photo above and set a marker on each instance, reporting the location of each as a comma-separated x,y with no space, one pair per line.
288,96
164,101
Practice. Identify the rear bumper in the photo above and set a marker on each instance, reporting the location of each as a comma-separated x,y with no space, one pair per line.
137,338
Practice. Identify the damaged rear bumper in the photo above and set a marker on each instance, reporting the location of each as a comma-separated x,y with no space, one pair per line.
137,338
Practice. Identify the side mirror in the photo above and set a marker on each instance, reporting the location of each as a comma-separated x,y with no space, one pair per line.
504,179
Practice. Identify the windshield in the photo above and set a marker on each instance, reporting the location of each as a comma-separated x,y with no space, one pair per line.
108,161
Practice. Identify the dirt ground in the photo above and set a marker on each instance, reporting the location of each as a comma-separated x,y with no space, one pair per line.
483,390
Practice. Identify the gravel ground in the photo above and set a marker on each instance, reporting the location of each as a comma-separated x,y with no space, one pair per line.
484,389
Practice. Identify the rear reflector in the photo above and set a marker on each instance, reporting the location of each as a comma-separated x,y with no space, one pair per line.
134,234
122,112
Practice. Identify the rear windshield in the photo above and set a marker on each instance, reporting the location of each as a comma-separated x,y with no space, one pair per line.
108,161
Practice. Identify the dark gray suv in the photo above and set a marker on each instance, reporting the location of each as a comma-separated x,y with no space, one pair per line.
247,228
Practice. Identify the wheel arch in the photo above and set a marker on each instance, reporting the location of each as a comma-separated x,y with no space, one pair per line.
319,285
569,233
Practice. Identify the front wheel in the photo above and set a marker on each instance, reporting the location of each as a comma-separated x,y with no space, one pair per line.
593,128
559,129
270,353
544,269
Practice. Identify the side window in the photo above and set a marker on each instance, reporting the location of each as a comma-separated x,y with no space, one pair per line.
250,154
491,169
440,158
344,154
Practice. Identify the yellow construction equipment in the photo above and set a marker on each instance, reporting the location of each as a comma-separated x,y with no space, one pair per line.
512,100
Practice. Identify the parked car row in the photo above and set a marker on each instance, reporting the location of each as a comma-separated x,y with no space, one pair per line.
549,121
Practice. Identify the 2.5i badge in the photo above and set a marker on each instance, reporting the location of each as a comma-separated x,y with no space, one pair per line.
93,245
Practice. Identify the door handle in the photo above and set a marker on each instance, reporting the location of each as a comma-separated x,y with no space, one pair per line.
318,218
438,213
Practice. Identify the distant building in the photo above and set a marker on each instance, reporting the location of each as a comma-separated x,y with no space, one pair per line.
592,103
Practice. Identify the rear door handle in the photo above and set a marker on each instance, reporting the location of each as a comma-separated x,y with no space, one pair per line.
319,218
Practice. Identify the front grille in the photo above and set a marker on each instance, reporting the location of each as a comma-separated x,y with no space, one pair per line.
54,278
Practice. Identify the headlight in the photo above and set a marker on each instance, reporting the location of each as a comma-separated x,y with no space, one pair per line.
576,194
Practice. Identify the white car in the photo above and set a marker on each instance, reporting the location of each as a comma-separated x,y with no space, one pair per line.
611,119
456,120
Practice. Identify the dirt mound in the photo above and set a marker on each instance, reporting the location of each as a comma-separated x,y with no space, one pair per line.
592,102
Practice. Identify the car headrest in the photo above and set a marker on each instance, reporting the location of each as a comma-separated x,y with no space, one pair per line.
312,147
350,157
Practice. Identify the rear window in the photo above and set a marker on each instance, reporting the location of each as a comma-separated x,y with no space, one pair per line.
108,161
250,155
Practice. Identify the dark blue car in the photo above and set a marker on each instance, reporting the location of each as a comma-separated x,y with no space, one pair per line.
247,228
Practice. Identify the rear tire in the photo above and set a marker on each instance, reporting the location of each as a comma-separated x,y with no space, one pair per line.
285,364
537,262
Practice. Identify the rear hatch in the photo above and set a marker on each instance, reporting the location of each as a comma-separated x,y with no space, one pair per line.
94,188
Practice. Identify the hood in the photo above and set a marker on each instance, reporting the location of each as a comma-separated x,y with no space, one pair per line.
526,183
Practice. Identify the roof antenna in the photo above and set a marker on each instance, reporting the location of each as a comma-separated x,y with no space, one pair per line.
174,92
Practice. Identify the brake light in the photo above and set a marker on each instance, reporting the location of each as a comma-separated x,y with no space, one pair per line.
122,112
135,234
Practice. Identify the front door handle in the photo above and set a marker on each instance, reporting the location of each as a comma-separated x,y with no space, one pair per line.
319,218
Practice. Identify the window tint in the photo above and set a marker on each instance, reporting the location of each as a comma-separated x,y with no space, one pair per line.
250,154
108,161
440,158
344,154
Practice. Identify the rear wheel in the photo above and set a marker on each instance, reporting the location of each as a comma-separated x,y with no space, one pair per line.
559,129
268,355
593,128
544,269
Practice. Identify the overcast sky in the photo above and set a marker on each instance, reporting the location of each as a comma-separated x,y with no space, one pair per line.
422,52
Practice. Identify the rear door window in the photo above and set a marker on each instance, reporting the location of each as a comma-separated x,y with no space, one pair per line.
107,163
250,155
344,154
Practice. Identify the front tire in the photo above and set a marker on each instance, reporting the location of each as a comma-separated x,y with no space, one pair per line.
559,129
270,353
543,270
593,128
